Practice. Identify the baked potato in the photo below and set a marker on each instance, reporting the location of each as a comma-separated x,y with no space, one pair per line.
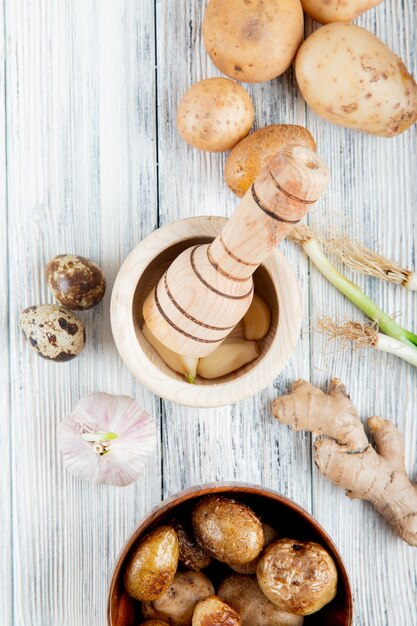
244,595
253,41
176,604
152,565
228,530
351,78
250,155
297,576
191,555
250,568
213,612
215,114
154,622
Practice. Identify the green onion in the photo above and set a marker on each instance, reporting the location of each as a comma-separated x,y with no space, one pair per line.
366,336
303,235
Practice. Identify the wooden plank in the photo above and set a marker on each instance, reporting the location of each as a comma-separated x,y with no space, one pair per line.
82,178
242,442
6,561
373,197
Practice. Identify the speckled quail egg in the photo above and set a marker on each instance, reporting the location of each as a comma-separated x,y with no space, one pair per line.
53,332
76,282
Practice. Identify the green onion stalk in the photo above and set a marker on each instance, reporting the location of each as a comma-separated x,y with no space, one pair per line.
303,235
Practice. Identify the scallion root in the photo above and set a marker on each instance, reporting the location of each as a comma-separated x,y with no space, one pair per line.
361,259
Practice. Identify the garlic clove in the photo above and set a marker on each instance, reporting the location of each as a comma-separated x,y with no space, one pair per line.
186,365
257,319
228,357
107,439
238,332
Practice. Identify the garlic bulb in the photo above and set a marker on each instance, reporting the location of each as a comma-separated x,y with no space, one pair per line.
107,439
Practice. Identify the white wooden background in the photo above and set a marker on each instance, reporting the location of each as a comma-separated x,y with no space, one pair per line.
91,162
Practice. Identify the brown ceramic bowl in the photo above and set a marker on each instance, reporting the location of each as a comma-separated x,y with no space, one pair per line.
277,510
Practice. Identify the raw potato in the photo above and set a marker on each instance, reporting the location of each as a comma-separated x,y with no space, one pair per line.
215,114
191,554
244,595
297,576
253,41
176,605
229,530
55,333
351,78
246,160
151,567
213,612
327,11
250,568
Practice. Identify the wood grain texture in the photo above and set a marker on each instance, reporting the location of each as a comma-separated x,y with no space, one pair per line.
90,92
6,548
81,177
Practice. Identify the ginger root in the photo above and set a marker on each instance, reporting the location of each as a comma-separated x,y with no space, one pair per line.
346,457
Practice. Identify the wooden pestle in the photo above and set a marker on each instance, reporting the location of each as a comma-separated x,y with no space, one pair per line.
208,288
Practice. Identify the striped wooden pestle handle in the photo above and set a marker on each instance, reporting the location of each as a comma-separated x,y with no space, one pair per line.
208,288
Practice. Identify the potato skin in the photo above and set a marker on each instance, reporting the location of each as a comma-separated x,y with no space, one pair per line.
213,612
351,78
250,155
253,41
154,622
151,567
244,595
270,534
327,11
297,576
215,114
228,530
191,555
176,605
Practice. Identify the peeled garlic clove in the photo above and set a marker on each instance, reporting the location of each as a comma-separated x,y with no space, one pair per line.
107,439
186,365
228,357
257,319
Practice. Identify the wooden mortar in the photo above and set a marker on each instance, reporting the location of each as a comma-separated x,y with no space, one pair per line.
141,271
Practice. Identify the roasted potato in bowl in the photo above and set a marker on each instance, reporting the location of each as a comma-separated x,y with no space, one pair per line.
228,530
191,554
152,566
270,534
176,604
297,576
213,612
244,595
